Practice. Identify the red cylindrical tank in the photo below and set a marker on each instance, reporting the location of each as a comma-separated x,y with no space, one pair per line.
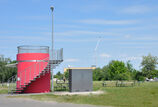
33,75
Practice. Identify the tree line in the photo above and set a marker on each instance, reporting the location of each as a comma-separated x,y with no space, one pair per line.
115,70
60,75
119,70
6,72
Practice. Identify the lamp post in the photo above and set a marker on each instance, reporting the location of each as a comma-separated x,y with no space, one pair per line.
52,8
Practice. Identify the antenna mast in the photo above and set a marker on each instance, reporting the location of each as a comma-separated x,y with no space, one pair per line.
95,50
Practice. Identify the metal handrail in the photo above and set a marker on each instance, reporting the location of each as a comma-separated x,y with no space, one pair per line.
33,49
10,80
31,67
59,56
34,64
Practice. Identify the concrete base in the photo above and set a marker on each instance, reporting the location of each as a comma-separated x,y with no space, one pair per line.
79,93
62,93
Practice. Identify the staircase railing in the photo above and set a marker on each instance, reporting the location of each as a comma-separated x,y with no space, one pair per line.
12,81
37,70
27,71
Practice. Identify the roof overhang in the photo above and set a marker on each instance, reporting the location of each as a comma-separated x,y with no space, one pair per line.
11,65
65,69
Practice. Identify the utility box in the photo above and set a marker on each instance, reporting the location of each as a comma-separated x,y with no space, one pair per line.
80,79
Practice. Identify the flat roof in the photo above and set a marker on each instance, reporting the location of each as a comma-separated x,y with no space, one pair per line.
79,68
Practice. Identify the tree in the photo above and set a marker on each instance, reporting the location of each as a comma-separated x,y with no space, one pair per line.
149,64
58,75
129,66
97,74
6,72
118,70
66,74
105,73
139,76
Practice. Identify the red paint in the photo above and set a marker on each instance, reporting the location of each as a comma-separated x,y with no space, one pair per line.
41,85
27,71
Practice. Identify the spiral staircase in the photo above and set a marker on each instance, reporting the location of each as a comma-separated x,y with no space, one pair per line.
18,85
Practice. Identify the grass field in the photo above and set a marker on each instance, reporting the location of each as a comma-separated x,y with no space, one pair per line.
145,95
3,89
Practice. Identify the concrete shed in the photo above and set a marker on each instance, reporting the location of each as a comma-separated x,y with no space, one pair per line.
80,79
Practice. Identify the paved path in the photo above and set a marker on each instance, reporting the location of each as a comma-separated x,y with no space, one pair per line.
20,102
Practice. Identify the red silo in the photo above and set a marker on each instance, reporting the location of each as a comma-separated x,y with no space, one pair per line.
33,75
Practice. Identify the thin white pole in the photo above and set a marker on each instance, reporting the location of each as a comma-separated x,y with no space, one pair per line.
52,8
95,50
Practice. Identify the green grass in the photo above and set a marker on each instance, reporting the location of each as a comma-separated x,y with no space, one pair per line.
145,95
3,89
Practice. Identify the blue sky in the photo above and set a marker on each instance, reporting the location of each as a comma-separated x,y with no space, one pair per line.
128,29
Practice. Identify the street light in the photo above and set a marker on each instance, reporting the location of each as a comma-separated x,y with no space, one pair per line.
52,8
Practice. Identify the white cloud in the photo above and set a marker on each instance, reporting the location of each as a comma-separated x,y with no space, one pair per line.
30,38
122,55
91,8
104,55
139,47
75,40
34,17
127,36
71,60
126,57
138,43
136,9
133,58
83,33
68,26
108,22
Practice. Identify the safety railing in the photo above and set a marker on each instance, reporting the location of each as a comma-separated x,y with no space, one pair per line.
58,54
33,49
36,68
27,75
12,83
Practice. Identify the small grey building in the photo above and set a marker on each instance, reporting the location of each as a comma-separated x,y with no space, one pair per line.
80,79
